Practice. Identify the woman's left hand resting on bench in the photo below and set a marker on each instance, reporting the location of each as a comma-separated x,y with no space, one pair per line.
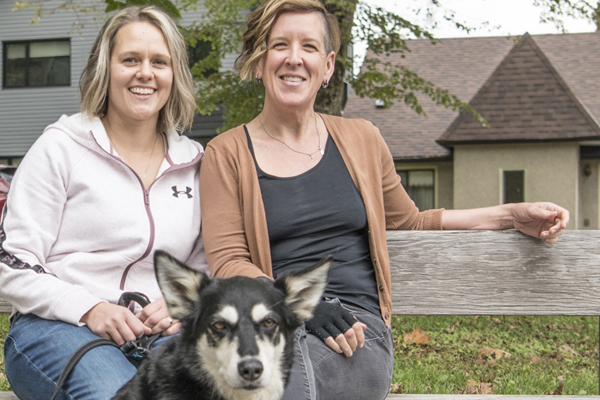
542,220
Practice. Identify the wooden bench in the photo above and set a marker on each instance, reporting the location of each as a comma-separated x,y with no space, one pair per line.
493,273
489,273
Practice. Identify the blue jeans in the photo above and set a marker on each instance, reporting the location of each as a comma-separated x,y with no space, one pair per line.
36,350
319,373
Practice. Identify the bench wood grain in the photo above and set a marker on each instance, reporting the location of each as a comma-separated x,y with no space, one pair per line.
488,273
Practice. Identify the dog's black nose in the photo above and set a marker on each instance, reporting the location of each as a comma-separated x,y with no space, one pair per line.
250,370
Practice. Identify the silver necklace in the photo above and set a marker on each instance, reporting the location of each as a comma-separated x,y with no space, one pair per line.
151,154
319,148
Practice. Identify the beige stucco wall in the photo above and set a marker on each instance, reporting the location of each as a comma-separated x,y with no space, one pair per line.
444,181
551,174
588,194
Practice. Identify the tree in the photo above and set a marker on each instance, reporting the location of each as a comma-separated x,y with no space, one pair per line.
554,10
384,32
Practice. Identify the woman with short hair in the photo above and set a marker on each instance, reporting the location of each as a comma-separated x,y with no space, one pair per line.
292,186
92,199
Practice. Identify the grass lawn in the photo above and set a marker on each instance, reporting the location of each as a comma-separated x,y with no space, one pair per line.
499,355
496,355
3,332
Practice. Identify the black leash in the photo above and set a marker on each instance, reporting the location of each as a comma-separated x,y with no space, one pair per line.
137,349
76,356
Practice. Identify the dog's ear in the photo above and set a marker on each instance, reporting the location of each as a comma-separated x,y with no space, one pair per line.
303,290
178,283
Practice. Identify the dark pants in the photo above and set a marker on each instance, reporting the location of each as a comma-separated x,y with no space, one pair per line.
319,373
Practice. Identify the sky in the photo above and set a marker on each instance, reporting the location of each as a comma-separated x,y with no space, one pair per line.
505,17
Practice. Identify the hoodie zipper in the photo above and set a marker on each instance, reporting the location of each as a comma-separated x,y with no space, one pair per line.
150,220
146,193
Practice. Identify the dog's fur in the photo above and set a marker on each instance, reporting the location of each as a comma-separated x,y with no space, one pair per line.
237,336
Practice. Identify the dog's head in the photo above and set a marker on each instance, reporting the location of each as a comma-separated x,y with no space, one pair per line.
240,330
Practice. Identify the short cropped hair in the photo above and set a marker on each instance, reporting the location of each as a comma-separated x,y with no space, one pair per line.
178,112
261,21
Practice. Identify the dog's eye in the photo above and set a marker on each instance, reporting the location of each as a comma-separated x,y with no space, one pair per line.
219,325
268,323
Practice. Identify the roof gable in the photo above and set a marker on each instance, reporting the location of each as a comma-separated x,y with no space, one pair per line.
461,65
525,99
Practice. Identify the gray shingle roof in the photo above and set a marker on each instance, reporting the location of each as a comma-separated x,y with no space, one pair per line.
559,73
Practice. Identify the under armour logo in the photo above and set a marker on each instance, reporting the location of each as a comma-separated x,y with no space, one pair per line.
187,192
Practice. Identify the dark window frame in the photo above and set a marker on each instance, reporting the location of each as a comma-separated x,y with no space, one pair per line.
28,62
406,185
513,195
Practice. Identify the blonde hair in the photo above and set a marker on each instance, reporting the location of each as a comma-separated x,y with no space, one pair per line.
178,112
261,21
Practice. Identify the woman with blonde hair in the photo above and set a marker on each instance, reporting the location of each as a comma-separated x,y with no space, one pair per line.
292,186
92,199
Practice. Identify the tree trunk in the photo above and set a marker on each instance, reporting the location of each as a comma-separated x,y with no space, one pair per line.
329,101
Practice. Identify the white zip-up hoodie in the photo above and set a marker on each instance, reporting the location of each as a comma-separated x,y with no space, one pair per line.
79,227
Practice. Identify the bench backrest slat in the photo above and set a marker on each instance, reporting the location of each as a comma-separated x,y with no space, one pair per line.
494,273
491,273
5,307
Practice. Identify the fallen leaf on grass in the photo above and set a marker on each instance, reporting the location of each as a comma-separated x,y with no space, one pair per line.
417,336
474,387
494,353
535,358
451,329
396,388
567,349
559,389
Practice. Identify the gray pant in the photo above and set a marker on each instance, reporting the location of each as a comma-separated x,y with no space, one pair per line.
319,373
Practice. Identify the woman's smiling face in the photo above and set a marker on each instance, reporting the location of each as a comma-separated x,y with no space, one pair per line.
141,73
295,64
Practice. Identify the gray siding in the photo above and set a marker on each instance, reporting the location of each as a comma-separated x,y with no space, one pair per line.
25,112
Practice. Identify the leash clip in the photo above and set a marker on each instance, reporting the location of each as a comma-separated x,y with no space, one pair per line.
137,349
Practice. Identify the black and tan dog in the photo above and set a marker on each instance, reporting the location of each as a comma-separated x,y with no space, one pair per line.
237,336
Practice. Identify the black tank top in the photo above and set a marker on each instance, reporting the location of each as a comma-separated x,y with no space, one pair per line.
317,213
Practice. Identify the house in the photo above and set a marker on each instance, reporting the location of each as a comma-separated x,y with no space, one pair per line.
540,94
40,65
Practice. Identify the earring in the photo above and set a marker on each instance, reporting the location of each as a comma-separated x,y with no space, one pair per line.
257,79
325,84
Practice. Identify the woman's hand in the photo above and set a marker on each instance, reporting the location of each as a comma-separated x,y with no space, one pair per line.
156,317
114,322
542,220
335,326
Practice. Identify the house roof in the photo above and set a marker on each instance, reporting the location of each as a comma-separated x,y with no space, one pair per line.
543,87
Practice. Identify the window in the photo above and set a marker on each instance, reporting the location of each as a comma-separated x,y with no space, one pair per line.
419,184
37,63
514,186
11,161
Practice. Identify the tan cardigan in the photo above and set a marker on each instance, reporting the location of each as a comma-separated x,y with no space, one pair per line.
234,225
